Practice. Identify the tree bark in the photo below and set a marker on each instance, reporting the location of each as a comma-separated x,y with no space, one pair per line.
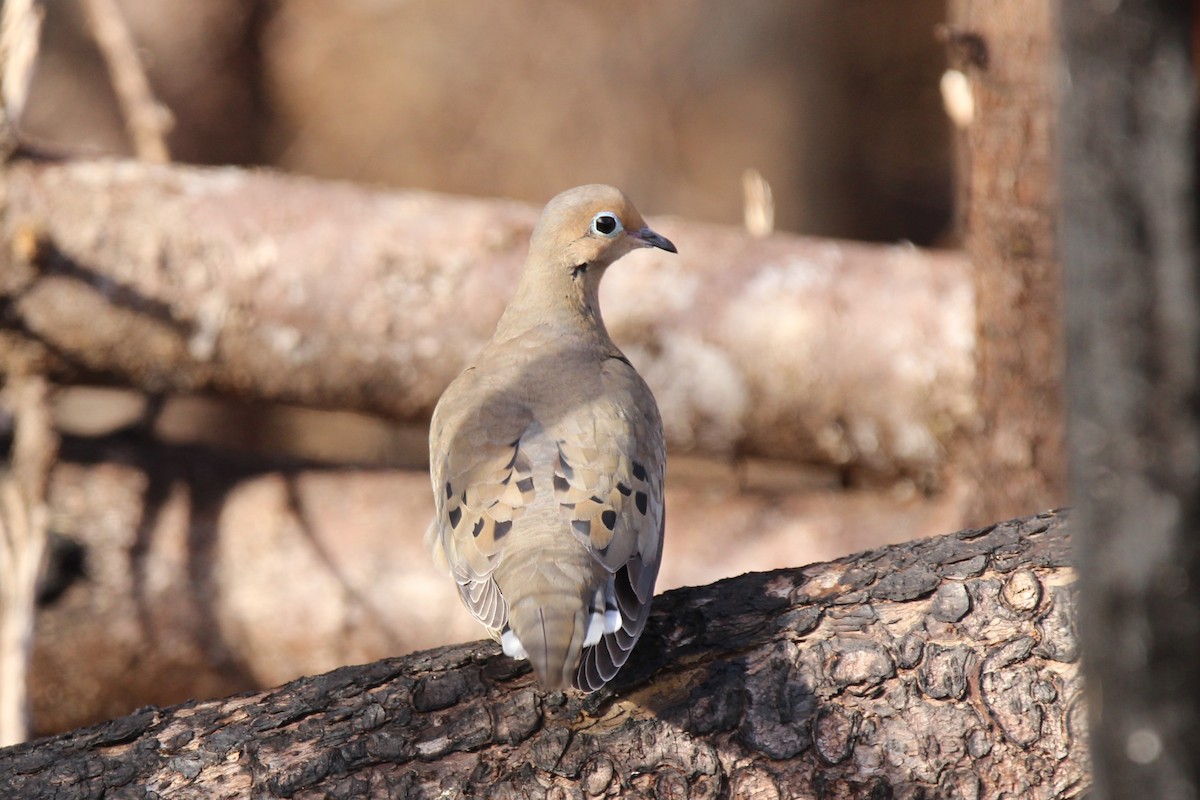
266,287
944,667
1133,321
1008,52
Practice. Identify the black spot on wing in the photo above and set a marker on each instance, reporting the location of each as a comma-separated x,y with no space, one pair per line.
642,501
622,488
525,485
478,529
455,516
609,518
502,529
639,471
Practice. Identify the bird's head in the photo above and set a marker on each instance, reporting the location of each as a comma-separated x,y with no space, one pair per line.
591,227
581,232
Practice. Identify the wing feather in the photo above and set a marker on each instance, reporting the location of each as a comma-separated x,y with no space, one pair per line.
482,482
608,478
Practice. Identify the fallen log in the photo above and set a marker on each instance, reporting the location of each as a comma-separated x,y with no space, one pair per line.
262,286
937,668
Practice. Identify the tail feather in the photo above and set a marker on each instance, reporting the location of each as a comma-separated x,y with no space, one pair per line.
551,631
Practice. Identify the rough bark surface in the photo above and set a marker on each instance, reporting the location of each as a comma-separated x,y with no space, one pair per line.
1008,51
267,287
940,668
1133,305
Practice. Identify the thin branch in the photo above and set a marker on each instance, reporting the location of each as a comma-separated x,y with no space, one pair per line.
20,33
147,120
23,538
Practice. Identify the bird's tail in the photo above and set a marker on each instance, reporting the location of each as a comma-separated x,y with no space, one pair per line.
555,610
549,630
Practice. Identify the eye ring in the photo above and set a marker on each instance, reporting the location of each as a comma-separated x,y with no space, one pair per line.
606,224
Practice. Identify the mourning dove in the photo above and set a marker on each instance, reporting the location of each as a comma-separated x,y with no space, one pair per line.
547,459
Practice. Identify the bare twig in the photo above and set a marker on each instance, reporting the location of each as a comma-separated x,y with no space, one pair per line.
23,537
20,31
147,120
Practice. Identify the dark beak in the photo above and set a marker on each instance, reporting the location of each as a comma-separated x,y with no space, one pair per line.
651,239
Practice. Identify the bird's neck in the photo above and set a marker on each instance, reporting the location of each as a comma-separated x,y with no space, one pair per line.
575,311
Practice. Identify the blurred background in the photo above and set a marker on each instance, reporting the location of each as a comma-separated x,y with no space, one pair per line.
202,546
835,103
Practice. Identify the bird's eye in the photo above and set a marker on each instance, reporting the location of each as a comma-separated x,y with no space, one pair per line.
606,224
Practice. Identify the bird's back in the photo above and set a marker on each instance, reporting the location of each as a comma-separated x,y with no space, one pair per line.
557,448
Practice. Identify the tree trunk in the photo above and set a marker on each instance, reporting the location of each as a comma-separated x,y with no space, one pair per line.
944,668
267,287
1007,51
1133,317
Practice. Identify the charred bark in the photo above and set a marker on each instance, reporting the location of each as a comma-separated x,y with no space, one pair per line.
938,668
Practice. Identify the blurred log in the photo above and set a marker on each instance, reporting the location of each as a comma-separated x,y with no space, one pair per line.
182,572
269,287
1009,54
942,668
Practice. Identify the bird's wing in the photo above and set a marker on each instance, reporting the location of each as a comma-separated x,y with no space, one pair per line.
608,481
482,482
